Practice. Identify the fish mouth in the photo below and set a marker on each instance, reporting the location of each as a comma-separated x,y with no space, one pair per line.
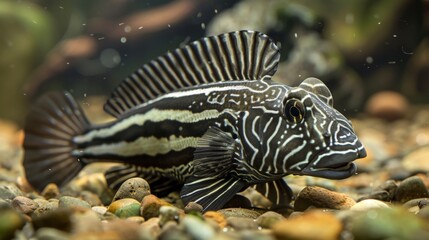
334,166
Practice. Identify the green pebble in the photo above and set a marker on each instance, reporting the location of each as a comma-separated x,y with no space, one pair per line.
129,210
67,201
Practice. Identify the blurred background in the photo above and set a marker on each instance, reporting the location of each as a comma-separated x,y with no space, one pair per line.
369,53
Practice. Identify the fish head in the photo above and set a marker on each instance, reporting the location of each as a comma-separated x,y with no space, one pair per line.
320,140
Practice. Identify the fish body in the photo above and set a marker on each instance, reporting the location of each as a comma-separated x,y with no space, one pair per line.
207,117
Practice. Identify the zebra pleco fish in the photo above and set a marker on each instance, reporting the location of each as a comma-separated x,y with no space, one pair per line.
207,118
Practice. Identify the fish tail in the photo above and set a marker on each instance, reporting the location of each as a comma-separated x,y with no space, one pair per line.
49,129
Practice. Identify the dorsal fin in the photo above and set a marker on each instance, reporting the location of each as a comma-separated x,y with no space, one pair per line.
317,87
241,55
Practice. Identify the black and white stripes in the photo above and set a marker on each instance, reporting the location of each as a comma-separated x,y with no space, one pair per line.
206,116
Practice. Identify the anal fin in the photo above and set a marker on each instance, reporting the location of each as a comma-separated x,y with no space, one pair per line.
278,192
210,192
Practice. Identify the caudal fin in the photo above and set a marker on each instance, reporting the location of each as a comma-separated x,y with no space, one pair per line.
50,126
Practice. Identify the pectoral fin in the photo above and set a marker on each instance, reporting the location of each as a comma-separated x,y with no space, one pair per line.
217,154
215,179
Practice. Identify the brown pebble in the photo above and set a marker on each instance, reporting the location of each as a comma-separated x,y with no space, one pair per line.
51,191
24,204
387,105
322,198
150,206
193,207
315,225
242,223
239,212
268,219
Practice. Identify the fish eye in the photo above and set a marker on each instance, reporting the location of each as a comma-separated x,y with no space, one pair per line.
294,110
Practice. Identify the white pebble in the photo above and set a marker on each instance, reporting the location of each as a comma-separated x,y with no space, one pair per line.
368,204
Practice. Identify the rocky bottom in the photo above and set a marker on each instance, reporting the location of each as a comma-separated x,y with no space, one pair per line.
387,199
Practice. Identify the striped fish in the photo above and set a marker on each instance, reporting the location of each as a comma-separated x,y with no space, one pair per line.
207,118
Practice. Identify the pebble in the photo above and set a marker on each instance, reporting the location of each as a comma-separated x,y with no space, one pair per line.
24,204
45,206
239,212
150,206
390,187
378,195
51,191
424,213
322,198
387,105
268,219
136,188
59,218
125,207
99,209
417,202
387,223
242,223
417,161
368,204
197,228
312,225
169,213
68,202
193,207
95,183
91,198
9,191
411,188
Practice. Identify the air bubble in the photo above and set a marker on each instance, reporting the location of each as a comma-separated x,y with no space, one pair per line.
369,59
